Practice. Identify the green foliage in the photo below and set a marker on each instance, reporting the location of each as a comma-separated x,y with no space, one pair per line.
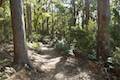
34,45
46,15
116,56
84,39
5,61
36,37
92,55
115,36
62,46
5,22
60,7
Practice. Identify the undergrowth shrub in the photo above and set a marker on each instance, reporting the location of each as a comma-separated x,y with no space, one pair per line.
36,37
116,56
115,36
84,39
34,45
62,46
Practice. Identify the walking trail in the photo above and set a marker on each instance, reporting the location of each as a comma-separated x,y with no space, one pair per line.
51,65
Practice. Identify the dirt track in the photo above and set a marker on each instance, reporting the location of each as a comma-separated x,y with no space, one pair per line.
51,65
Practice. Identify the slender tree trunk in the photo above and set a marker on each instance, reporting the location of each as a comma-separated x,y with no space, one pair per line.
5,31
17,16
52,30
73,12
29,20
47,25
86,14
83,19
102,34
87,11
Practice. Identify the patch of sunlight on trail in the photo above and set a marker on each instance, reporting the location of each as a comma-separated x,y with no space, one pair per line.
81,76
56,68
45,49
51,64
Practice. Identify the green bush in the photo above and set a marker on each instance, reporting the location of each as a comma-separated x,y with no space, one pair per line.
85,40
36,37
116,56
62,46
82,38
34,45
115,36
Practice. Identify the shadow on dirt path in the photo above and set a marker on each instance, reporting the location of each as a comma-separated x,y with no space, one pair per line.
54,66
51,65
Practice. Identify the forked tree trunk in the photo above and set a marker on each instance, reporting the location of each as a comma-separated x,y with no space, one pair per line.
102,34
17,16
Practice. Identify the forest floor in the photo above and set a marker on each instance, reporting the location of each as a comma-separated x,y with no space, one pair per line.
49,65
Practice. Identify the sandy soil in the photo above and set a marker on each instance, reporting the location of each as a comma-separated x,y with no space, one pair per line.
49,64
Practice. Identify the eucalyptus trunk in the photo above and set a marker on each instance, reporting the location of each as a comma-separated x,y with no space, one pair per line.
17,17
103,25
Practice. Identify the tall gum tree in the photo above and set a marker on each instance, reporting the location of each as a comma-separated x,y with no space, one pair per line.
102,33
17,17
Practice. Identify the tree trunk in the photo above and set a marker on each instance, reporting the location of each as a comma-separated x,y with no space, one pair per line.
86,14
17,16
102,34
29,21
1,2
73,12
52,30
47,25
87,11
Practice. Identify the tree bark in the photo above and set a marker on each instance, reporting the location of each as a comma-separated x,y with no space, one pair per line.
17,16
87,11
29,21
103,34
73,12
86,14
1,2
